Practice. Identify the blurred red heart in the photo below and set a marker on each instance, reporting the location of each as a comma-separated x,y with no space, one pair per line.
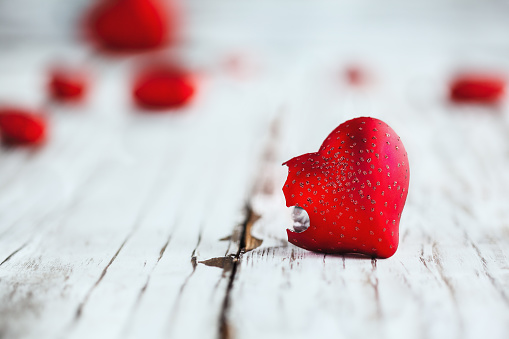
355,75
163,87
130,25
67,85
477,88
21,127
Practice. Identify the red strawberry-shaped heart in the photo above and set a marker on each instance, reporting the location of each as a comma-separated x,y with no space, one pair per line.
67,85
130,25
20,127
353,189
487,89
163,87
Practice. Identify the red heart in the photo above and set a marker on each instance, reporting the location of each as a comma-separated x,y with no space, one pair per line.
355,75
20,127
163,87
479,88
354,190
67,85
130,25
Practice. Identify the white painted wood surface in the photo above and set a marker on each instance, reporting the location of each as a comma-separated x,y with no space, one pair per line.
127,225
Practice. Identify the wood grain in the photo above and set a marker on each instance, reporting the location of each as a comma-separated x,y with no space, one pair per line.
129,225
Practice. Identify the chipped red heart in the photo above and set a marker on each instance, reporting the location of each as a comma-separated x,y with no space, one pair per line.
163,87
20,127
130,25
477,88
353,189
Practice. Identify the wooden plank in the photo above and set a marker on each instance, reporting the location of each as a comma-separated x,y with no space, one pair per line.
123,249
128,225
440,282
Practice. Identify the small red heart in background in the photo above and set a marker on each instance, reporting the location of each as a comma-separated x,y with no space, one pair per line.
242,65
353,189
21,127
477,88
130,25
163,87
67,85
355,75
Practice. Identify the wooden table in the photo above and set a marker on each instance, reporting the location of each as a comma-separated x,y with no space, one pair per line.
133,225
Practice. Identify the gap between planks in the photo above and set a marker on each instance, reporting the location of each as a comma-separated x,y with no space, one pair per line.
246,242
242,235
